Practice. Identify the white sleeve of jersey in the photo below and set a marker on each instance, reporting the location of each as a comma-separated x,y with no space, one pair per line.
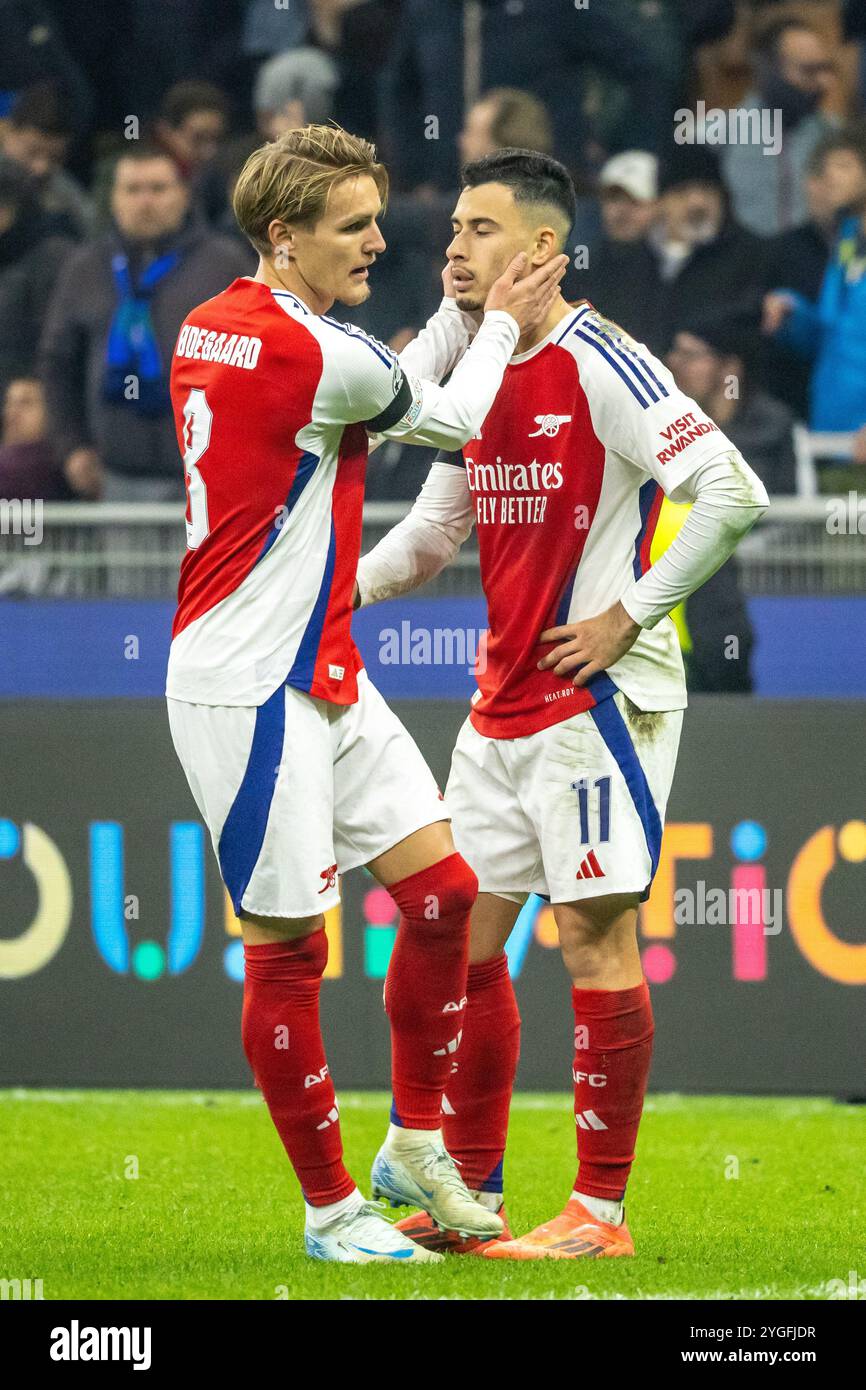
363,381
425,541
441,343
637,409
728,499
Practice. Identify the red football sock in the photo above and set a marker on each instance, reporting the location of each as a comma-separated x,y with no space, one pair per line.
283,1043
425,990
613,1045
479,1091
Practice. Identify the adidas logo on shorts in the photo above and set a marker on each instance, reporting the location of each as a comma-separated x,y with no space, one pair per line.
590,868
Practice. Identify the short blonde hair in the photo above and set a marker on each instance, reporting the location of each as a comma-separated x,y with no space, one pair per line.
291,178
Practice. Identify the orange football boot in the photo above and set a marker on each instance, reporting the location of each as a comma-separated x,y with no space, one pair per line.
572,1235
423,1230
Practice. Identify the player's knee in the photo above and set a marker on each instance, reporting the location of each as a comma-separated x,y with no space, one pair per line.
445,899
593,927
458,890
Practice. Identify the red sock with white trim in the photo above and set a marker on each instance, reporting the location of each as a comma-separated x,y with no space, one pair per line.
425,990
613,1046
283,1043
478,1094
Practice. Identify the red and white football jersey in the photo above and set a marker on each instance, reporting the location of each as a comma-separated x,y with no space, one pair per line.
270,404
586,433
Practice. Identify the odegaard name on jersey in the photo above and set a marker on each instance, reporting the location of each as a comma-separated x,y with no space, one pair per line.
207,345
275,489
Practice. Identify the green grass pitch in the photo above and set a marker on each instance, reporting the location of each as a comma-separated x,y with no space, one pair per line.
730,1198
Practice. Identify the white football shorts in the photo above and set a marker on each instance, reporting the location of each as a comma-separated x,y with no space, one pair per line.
298,790
574,811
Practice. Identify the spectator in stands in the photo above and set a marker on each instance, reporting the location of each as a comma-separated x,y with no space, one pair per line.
831,332
112,325
192,124
621,263
505,118
542,46
804,252
192,127
792,70
705,259
694,256
293,89
28,465
30,261
710,360
37,136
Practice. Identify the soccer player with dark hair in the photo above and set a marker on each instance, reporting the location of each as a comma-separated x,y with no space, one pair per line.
561,774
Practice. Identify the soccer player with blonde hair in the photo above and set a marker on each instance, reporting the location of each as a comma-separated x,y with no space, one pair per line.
298,767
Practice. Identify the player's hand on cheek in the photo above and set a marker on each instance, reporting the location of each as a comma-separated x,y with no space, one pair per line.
590,646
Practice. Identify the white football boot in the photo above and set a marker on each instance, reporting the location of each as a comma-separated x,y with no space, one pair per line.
364,1236
419,1172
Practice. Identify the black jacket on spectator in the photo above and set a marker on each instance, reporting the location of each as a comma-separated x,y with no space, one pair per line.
727,270
620,280
29,265
72,353
627,278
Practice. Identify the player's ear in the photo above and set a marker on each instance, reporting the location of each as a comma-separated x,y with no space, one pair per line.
545,245
282,238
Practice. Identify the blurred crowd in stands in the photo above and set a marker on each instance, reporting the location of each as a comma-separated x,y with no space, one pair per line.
124,126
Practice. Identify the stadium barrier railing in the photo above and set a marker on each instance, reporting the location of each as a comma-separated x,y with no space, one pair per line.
805,545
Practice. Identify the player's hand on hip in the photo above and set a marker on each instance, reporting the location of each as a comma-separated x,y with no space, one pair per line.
527,298
590,646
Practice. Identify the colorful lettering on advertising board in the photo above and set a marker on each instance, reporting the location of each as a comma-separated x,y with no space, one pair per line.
740,905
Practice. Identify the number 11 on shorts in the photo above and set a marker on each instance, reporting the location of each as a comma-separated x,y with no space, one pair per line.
601,808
